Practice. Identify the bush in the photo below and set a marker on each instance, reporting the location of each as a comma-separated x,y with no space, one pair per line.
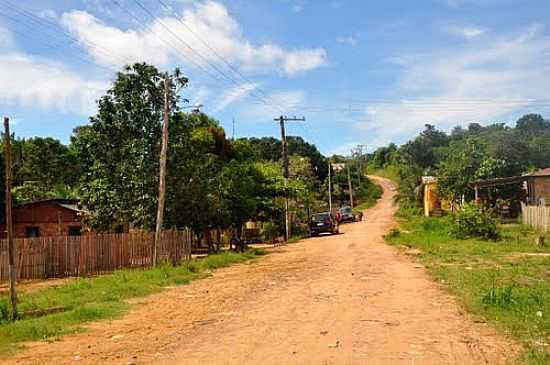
4,311
394,232
473,221
270,231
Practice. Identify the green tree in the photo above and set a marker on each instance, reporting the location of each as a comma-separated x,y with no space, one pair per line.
119,149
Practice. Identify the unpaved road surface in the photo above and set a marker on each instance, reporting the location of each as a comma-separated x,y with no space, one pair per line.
347,299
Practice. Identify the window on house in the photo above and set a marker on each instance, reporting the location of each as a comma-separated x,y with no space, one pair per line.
32,231
75,231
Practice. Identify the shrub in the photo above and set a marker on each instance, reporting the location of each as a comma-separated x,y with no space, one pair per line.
270,231
393,233
473,221
4,311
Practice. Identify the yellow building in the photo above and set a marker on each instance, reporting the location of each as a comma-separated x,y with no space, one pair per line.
433,205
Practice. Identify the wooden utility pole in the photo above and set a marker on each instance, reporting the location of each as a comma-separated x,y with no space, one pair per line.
162,174
360,160
9,221
350,187
329,186
282,121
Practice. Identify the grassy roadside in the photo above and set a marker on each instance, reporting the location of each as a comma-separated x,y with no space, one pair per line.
369,196
390,173
507,282
90,299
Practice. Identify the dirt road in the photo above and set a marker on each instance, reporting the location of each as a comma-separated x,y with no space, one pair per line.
348,299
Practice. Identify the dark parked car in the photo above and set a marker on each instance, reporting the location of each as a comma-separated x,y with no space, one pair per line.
346,214
322,223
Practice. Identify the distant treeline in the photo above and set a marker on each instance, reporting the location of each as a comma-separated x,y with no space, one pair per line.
465,155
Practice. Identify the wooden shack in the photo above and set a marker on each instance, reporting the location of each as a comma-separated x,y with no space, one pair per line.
535,184
46,218
538,187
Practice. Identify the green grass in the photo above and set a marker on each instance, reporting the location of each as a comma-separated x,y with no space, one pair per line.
493,280
91,299
390,172
368,195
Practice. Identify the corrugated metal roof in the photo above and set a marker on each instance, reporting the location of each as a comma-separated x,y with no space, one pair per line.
543,172
72,207
54,200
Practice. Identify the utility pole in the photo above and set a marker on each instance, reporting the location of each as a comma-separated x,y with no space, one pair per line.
360,160
329,186
9,221
282,121
350,187
162,175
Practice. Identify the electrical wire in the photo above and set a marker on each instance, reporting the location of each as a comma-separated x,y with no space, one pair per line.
213,50
212,66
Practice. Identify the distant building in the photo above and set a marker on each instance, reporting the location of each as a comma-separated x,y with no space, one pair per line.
46,218
338,167
538,187
432,201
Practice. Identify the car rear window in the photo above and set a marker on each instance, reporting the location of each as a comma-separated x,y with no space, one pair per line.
319,217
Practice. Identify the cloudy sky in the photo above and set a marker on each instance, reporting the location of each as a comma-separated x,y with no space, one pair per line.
361,72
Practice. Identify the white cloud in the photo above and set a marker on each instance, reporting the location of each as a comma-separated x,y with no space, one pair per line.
305,60
298,8
344,149
350,40
40,83
6,39
466,32
480,82
49,14
235,94
208,19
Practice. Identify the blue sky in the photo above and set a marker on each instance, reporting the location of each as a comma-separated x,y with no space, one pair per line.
361,72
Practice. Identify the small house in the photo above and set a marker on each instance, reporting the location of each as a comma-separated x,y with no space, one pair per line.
46,218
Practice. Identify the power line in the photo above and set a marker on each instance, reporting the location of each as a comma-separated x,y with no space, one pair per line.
213,66
229,65
54,46
57,29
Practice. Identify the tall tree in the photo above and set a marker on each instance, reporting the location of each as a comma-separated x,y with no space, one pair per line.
120,148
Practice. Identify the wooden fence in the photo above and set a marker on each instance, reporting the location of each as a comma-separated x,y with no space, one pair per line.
536,216
92,254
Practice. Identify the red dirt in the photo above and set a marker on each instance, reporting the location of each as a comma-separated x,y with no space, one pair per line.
346,299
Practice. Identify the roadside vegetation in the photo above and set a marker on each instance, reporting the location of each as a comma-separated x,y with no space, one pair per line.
506,282
465,155
368,195
48,314
498,272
